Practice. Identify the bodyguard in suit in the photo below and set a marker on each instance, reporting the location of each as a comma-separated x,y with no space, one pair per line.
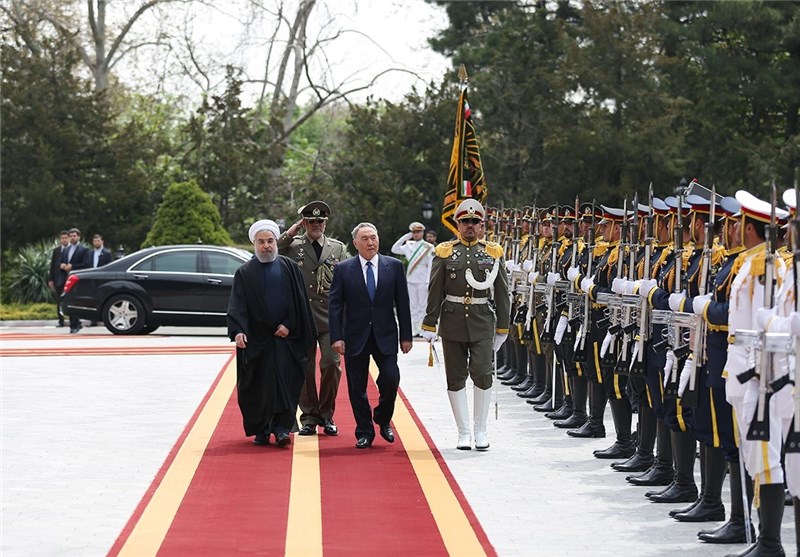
75,257
365,293
100,255
316,254
57,277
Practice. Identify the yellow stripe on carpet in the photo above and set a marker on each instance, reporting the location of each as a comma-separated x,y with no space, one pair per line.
304,531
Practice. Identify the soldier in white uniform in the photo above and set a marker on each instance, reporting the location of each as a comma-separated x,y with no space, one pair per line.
419,255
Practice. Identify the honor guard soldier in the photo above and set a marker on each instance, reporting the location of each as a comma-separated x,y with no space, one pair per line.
468,300
419,255
316,254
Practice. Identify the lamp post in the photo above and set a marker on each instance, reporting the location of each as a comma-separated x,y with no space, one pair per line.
427,210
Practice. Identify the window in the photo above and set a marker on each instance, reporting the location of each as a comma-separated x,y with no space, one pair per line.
222,263
170,262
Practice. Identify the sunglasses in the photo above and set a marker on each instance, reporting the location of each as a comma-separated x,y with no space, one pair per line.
315,221
470,221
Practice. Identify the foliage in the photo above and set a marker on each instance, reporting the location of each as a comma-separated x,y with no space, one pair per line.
27,312
187,216
29,273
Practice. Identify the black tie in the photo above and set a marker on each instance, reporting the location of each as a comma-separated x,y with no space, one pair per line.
317,249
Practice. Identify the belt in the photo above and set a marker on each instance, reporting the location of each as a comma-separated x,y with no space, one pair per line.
466,300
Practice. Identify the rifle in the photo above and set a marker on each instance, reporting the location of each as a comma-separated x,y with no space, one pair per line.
679,350
759,427
573,297
547,334
580,353
644,307
615,301
533,257
628,322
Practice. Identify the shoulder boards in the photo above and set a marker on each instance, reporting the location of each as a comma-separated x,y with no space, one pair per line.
493,249
600,248
758,264
717,254
445,249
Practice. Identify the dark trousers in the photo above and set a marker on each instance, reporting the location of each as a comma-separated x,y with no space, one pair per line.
58,291
357,369
317,406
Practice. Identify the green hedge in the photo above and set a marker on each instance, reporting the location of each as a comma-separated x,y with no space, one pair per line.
27,312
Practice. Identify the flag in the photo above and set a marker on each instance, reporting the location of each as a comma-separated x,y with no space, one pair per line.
465,178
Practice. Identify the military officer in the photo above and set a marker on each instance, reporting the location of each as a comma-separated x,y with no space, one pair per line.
316,254
419,255
468,300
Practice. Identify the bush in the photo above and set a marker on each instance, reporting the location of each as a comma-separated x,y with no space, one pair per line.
25,312
29,272
187,216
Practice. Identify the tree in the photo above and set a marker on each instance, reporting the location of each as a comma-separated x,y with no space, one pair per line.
187,216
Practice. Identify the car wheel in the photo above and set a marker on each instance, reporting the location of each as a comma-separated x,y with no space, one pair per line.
123,314
149,328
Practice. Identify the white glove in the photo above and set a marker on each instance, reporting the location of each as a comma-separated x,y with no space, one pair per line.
794,319
618,285
699,303
499,339
552,278
527,265
668,366
586,284
572,272
430,336
561,328
763,315
686,373
510,265
646,286
532,276
606,344
675,301
631,285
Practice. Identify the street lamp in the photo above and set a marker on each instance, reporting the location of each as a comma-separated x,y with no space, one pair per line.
427,210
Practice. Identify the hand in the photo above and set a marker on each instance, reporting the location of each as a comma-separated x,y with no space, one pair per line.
763,315
683,379
606,344
552,278
618,285
646,286
281,332
572,272
430,336
668,366
631,286
510,264
499,339
405,346
532,276
527,265
561,328
699,303
676,301
241,340
586,284
338,347
295,228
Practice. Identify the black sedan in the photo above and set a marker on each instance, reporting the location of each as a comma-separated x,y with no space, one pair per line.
168,285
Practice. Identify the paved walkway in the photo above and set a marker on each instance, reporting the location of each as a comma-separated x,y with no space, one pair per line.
84,435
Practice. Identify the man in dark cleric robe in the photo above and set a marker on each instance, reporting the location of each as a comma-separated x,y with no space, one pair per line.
269,319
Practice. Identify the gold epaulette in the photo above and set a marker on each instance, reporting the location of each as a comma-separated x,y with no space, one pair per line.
613,256
786,255
542,242
688,250
718,254
562,247
758,264
493,249
523,241
600,248
445,249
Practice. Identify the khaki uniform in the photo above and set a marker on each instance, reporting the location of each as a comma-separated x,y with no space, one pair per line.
317,274
467,323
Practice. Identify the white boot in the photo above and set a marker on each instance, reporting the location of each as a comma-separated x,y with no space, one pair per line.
458,402
481,416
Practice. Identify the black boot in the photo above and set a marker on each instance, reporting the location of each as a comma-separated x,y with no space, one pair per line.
769,534
554,402
579,396
534,391
662,472
643,458
693,504
623,447
593,428
565,410
734,531
684,449
521,358
710,508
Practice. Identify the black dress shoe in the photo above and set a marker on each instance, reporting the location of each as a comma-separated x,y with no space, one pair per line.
589,430
516,380
677,494
636,463
506,374
562,413
654,476
541,399
649,494
330,428
532,392
363,443
261,439
524,386
617,450
703,512
573,422
548,407
731,532
688,508
308,429
387,433
283,439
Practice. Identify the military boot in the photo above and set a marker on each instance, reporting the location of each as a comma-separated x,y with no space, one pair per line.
693,504
683,489
594,427
481,402
734,530
710,508
623,447
536,363
458,403
579,395
768,543
557,400
643,458
662,471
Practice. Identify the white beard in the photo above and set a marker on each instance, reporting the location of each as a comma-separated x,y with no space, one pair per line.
268,257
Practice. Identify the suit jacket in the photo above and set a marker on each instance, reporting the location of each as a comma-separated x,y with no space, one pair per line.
81,259
104,259
57,275
352,315
317,273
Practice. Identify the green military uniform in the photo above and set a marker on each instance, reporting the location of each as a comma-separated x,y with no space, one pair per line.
317,408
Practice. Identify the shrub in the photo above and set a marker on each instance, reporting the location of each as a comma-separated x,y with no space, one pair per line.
28,275
23,312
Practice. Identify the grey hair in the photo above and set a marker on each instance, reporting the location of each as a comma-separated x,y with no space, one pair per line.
361,225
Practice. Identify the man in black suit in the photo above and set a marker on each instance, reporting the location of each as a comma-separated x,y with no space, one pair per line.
365,292
75,257
57,276
99,256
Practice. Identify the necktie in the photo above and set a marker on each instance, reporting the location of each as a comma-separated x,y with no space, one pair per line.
317,249
370,281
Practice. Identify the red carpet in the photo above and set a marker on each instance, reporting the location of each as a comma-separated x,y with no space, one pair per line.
241,498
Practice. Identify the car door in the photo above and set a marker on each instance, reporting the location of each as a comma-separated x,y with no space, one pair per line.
174,283
219,266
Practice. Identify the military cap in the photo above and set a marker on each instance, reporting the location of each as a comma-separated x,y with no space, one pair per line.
790,200
586,211
416,226
758,209
566,212
611,214
659,207
550,213
470,209
672,203
643,210
315,210
729,207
